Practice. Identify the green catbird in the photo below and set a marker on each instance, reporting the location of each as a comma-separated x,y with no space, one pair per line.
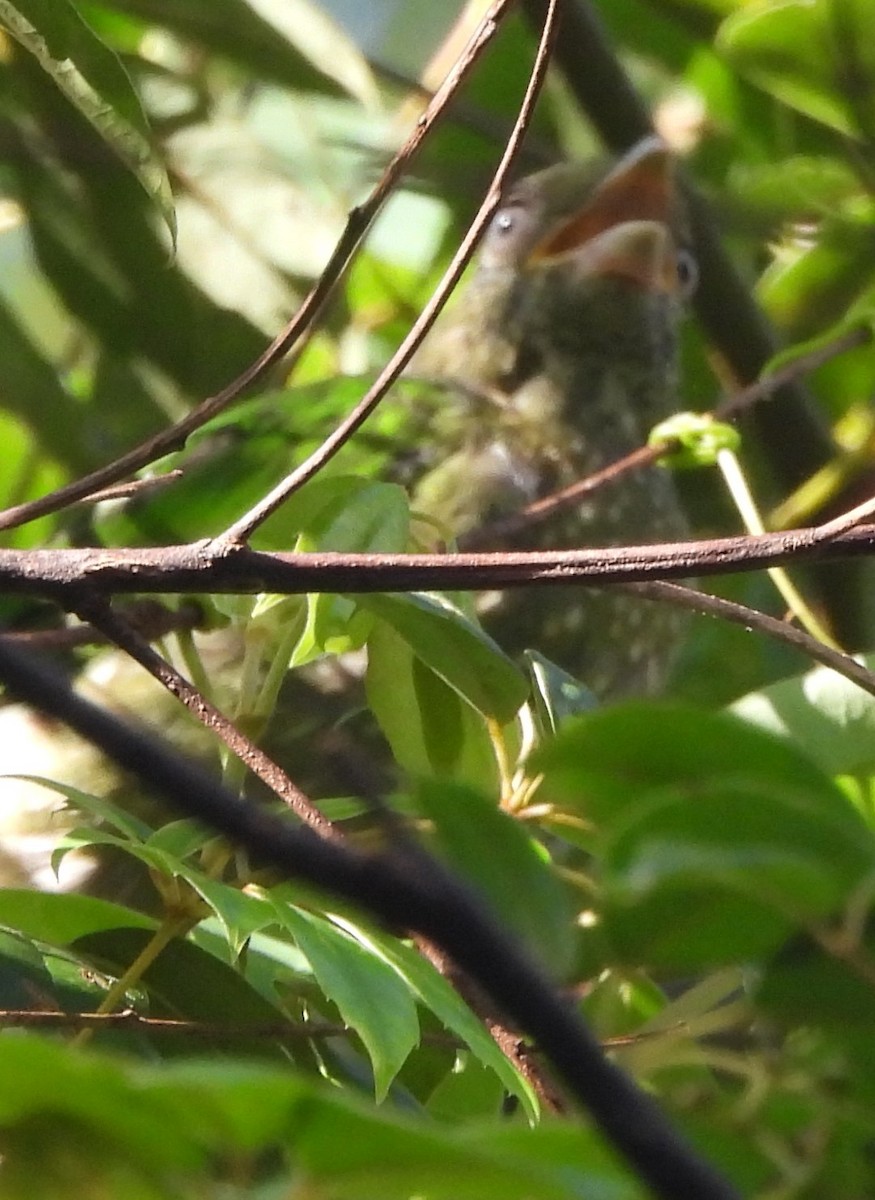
558,358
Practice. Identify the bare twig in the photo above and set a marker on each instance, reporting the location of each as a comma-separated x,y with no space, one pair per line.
791,372
730,407
222,1031
150,619
431,902
100,616
242,529
358,222
759,622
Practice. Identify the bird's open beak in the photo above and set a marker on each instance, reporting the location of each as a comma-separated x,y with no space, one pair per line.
624,228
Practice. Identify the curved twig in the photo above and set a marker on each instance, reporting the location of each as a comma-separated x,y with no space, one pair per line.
357,225
242,529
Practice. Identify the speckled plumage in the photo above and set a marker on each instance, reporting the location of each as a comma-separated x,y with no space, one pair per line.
563,350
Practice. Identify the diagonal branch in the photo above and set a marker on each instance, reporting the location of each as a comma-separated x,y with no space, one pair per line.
357,225
243,529
417,894
755,621
97,612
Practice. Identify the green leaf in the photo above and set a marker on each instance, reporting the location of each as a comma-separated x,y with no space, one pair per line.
63,917
430,729
494,853
239,913
805,984
814,287
776,848
438,995
104,810
604,764
827,714
24,978
817,56
30,385
371,517
456,649
556,695
712,840
93,78
195,1127
369,994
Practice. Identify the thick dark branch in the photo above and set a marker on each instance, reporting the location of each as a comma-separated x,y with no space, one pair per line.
411,893
202,567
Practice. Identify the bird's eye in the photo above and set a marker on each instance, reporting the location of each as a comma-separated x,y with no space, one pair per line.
688,273
503,222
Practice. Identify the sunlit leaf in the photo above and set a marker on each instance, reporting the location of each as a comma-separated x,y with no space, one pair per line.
93,78
815,55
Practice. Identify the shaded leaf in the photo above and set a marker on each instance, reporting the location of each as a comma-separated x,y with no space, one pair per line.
830,716
495,854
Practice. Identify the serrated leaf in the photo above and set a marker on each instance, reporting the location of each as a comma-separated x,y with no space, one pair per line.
110,814
369,994
94,80
438,995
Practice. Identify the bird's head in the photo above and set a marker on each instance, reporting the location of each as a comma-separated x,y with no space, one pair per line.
618,225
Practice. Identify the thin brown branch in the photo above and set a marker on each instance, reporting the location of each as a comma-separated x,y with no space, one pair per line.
800,366
150,619
242,529
755,621
220,1031
729,408
97,612
357,225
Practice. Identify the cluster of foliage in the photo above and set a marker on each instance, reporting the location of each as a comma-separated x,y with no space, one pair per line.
697,873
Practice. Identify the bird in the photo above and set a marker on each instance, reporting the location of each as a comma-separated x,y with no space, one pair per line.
559,357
